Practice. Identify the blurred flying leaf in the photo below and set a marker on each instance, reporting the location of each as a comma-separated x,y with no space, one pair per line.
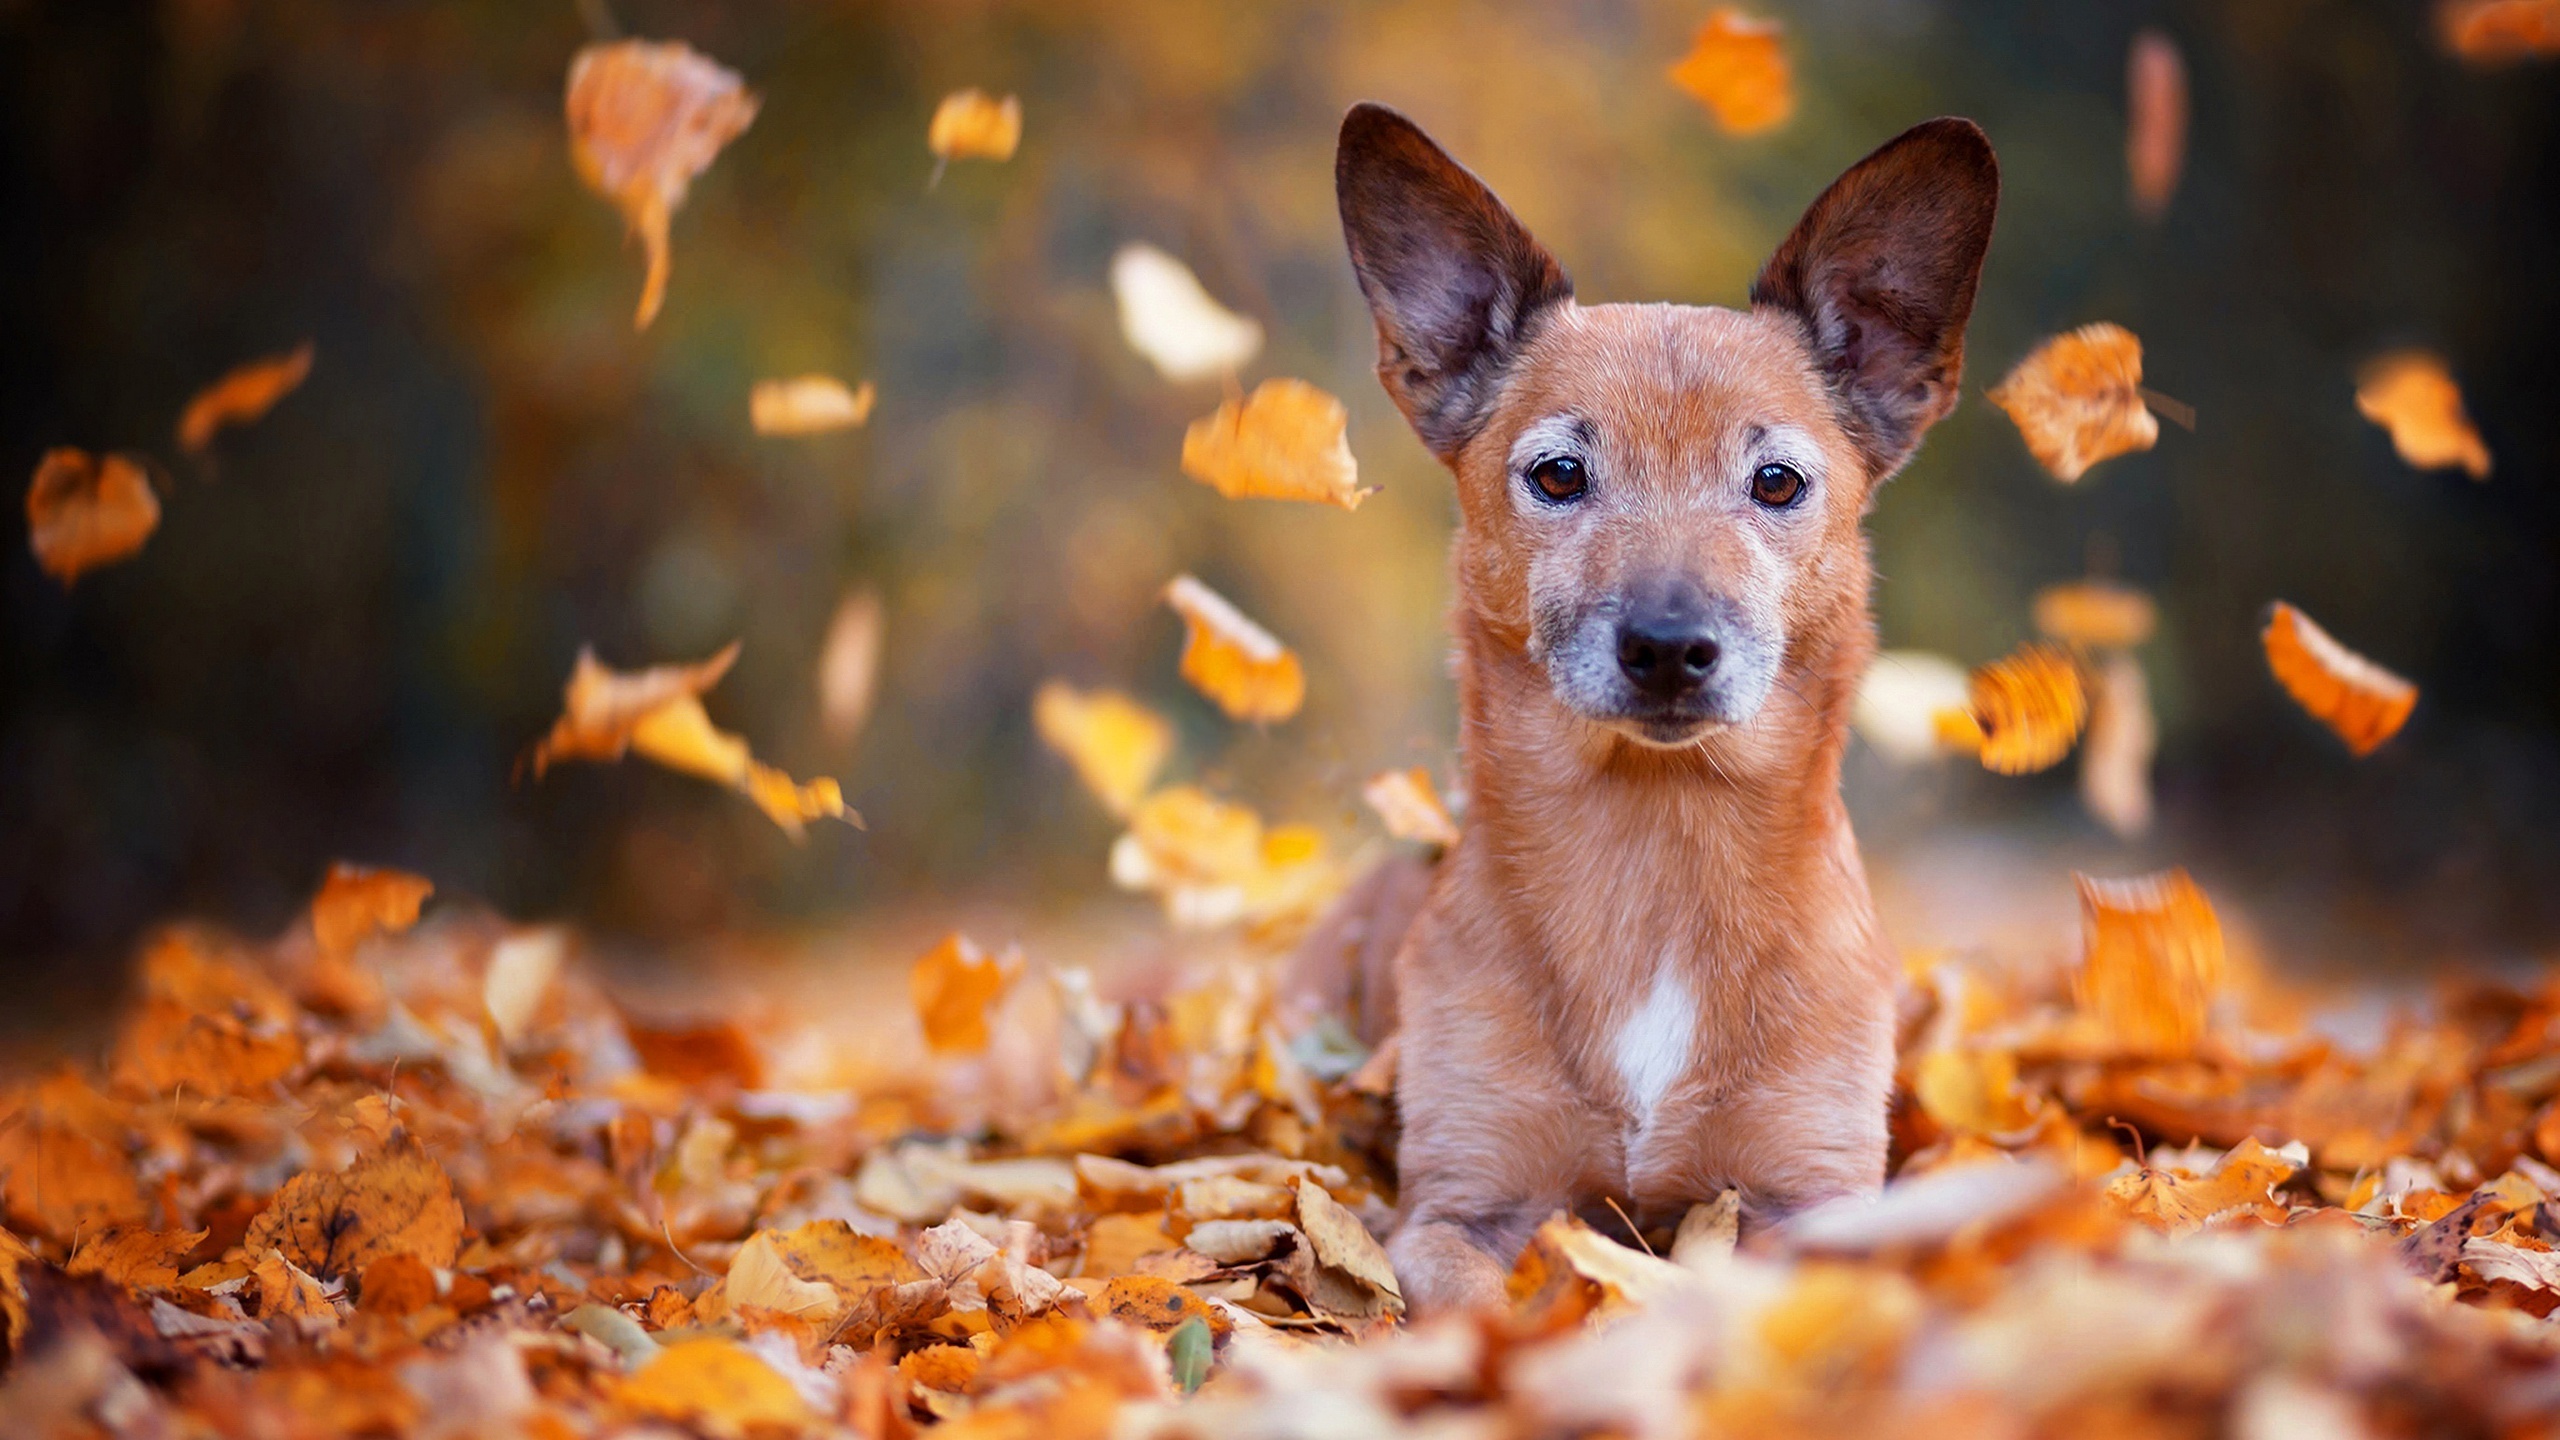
2078,399
2499,32
358,902
2115,761
242,396
1410,806
1285,441
953,985
973,125
1213,863
2412,395
1737,68
1116,744
2022,712
2155,140
659,713
849,665
2364,703
1233,661
1169,318
1899,701
644,120
2152,959
2096,614
84,512
808,405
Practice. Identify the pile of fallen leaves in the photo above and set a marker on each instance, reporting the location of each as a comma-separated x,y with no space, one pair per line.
378,1177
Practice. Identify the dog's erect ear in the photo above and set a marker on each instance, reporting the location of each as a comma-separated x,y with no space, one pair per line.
1882,269
1452,278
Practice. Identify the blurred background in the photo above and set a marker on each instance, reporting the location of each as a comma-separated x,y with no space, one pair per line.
354,620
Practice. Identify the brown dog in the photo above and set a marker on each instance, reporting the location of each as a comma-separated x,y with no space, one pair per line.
1650,970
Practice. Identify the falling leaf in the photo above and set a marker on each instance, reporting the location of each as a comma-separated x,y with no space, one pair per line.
1167,316
2115,762
2077,399
2155,139
242,397
849,665
2096,614
2499,32
1899,701
2364,703
2023,712
396,1201
717,1387
1214,863
1116,744
2242,1181
973,125
1737,68
84,512
792,804
2151,961
644,120
357,902
1233,661
1410,806
2411,394
953,985
601,707
521,969
807,405
1285,441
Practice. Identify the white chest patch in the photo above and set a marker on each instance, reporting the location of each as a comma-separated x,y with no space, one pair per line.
1653,1045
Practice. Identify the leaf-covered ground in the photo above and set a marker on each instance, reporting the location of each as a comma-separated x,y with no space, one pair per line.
385,1178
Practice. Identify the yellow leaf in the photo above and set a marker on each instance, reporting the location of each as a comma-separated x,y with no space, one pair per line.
792,804
973,125
717,1387
2152,961
1737,68
601,707
807,405
1288,440
1233,661
1972,1091
644,120
242,396
2412,395
1115,744
1167,316
1411,808
953,985
1900,699
2364,703
84,512
2077,399
2097,614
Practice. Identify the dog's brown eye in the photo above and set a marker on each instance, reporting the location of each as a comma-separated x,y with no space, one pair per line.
1774,485
1560,478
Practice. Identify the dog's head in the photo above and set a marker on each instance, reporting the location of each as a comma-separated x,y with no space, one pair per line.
1662,501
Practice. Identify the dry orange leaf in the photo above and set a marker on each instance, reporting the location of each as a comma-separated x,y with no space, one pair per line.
1410,806
974,125
602,706
1285,441
2242,1181
644,120
1233,661
2026,711
1973,1091
134,1258
288,1291
2155,137
808,405
204,1025
1116,744
242,396
2411,394
849,665
718,1388
396,1201
63,1166
1737,68
2360,700
2152,961
2498,32
2115,761
2096,614
1213,863
2077,399
357,902
84,511
953,986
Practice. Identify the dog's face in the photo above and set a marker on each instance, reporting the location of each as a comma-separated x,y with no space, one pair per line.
1662,502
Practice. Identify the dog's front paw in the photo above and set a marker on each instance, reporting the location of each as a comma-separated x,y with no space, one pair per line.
1443,1271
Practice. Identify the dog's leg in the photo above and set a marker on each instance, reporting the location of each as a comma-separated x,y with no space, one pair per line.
1444,1267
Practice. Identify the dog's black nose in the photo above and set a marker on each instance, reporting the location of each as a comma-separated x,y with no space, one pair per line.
1666,657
